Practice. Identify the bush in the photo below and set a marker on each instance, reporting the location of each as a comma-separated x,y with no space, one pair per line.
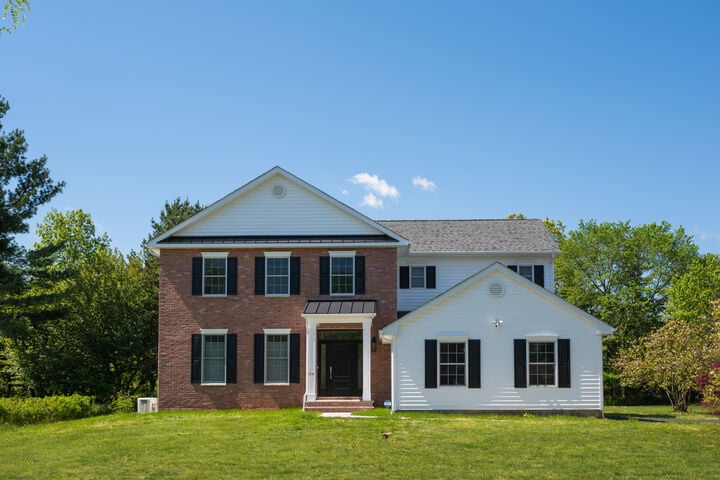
23,411
123,403
710,385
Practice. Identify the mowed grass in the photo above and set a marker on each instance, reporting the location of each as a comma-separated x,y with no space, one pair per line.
293,444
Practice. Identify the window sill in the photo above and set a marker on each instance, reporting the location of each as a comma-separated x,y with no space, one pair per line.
342,294
215,296
277,384
213,384
276,295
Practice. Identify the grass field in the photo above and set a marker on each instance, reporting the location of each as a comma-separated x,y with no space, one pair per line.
293,444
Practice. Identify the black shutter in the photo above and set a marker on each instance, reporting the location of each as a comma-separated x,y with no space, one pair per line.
564,363
232,276
539,276
294,275
259,275
430,363
294,358
259,358
196,356
360,275
520,363
404,277
231,360
474,364
430,277
197,275
324,275
513,268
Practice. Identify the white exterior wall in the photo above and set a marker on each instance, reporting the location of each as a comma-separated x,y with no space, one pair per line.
258,212
451,270
470,313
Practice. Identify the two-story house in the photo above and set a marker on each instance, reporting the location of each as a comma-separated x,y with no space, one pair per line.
279,295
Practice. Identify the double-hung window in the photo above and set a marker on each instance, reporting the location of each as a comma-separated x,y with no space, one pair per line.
214,356
452,363
277,356
277,273
342,273
417,277
541,363
214,274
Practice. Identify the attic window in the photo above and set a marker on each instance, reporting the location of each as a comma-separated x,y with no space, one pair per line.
496,289
279,190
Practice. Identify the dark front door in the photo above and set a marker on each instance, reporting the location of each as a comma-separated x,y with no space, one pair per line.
340,367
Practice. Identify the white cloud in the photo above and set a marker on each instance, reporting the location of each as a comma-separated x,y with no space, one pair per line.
372,201
424,183
377,189
704,235
344,192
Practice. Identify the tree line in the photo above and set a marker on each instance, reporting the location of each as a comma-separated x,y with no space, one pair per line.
78,316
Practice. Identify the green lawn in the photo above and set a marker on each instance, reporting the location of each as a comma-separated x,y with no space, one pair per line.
293,444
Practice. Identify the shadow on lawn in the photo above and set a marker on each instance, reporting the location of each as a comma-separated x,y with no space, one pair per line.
635,416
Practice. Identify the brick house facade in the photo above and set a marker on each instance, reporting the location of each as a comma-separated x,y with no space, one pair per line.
274,297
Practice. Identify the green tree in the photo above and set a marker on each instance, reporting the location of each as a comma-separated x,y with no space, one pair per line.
102,338
556,229
621,274
691,295
24,186
671,358
17,11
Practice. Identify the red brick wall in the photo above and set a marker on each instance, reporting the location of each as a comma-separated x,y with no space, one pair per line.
182,314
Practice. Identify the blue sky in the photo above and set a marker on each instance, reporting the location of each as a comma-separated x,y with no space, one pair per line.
571,110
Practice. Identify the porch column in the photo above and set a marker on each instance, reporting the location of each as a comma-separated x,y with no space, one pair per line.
310,360
367,339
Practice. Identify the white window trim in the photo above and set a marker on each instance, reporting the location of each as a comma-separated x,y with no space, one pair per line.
276,331
342,254
277,255
449,339
212,331
532,272
542,339
214,255
410,276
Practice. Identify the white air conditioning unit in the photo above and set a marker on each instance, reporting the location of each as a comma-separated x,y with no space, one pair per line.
147,405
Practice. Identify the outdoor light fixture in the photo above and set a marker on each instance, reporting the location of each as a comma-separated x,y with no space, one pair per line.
373,344
497,323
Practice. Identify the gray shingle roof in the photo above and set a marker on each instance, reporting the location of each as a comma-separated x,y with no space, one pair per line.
474,236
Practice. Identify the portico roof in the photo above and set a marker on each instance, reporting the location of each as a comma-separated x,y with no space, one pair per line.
339,307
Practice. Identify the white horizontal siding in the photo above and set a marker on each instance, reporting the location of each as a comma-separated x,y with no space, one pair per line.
471,313
451,270
299,212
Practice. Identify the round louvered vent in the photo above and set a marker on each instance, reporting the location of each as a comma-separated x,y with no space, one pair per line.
279,190
496,289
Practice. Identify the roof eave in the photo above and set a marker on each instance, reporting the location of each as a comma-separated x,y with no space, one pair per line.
186,246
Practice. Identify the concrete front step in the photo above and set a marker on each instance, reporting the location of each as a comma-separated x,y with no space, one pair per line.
338,405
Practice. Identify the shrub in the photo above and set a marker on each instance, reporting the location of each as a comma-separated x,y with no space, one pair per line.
123,403
710,385
23,411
